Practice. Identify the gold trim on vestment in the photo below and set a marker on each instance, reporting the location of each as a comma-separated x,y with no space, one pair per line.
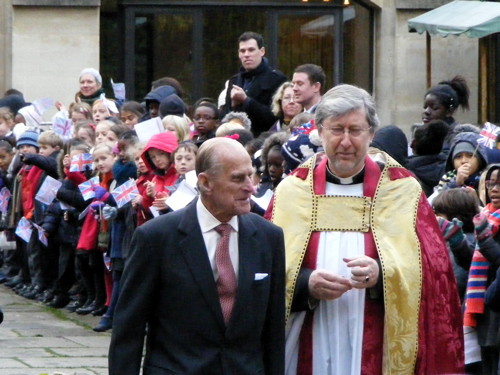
392,218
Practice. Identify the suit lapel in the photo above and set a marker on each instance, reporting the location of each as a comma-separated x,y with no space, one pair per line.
195,254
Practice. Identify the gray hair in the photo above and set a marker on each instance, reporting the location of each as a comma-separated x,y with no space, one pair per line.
241,116
343,99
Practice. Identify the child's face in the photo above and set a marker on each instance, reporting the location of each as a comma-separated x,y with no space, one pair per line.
103,161
47,150
5,127
123,145
494,190
28,149
154,109
84,136
204,120
464,158
139,162
160,159
275,166
184,160
101,133
129,119
77,116
5,159
99,112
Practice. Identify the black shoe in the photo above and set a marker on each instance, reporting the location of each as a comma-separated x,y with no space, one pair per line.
13,282
73,306
86,309
22,288
1,316
46,296
34,293
104,325
59,301
100,310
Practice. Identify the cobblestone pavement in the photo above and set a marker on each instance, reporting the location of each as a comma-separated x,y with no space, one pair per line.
38,340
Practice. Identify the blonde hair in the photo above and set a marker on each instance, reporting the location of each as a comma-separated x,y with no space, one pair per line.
181,126
102,147
6,115
278,98
227,128
51,139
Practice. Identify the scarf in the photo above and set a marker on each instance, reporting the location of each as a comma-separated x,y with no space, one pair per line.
478,274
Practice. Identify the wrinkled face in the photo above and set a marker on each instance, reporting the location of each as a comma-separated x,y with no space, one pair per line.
250,54
88,85
5,127
229,188
493,188
103,161
304,90
434,109
184,160
101,133
5,159
466,158
346,152
160,159
129,119
275,166
99,112
47,150
289,106
204,120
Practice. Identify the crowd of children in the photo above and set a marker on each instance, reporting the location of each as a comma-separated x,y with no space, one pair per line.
75,251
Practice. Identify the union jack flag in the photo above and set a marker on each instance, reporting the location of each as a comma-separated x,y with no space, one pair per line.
41,234
62,126
125,193
24,229
4,199
87,188
489,135
81,163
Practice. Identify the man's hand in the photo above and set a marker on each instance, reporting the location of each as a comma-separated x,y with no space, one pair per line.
324,285
364,271
238,95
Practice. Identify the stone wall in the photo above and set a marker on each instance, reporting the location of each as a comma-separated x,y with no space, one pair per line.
400,66
51,43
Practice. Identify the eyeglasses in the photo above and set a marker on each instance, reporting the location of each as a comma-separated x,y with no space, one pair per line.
490,184
288,99
339,131
206,118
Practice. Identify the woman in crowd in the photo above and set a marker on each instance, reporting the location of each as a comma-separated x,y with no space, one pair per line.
284,107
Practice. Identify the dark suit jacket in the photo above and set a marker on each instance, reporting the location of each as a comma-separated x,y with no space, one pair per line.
168,284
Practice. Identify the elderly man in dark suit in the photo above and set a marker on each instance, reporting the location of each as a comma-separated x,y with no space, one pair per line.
207,280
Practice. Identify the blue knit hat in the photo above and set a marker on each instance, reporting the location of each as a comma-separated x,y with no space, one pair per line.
29,137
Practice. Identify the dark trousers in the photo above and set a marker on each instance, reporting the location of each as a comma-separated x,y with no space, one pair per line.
91,267
66,269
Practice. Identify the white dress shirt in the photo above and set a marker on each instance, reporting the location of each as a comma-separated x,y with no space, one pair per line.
207,223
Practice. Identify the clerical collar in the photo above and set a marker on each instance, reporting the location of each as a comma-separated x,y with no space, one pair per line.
356,179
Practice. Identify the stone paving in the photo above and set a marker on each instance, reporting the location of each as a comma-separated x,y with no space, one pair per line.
38,340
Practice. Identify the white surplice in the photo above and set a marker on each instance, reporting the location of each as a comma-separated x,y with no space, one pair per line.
337,324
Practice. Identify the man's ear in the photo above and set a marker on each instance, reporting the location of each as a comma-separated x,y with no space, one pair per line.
204,184
263,51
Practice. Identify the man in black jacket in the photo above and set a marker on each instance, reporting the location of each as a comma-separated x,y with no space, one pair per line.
251,90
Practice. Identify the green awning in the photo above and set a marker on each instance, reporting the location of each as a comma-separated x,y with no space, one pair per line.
475,19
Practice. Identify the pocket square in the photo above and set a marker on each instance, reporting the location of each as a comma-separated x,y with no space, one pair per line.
260,276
